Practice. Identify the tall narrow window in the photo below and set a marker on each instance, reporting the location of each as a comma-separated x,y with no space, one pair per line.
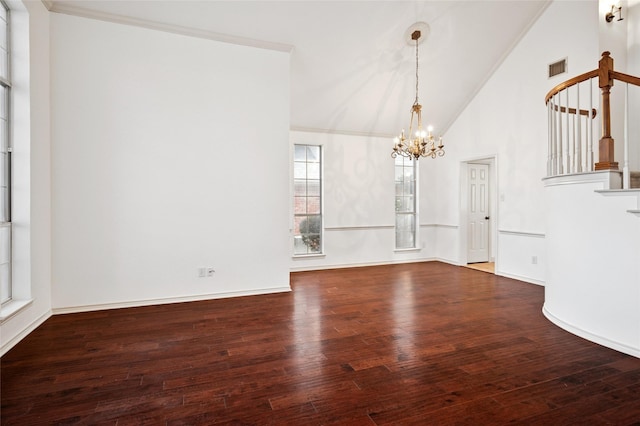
307,200
5,159
405,202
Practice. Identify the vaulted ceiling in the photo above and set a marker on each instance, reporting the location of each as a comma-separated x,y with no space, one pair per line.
352,69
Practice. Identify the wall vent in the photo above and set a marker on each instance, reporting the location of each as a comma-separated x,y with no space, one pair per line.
558,67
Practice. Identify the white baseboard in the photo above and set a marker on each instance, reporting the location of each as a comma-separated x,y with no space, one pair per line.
357,265
450,261
621,347
520,278
24,333
149,302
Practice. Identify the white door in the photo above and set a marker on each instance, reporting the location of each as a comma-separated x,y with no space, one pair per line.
478,214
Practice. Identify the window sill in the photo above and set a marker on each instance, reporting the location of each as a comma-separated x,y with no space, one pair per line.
308,256
11,308
407,250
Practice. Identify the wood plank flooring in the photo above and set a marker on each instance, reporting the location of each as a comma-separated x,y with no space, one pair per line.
424,343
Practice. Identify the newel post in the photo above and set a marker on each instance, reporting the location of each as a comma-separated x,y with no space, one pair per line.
605,65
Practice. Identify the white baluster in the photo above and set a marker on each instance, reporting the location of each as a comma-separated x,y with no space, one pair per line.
578,153
626,177
549,140
590,138
567,160
554,147
559,143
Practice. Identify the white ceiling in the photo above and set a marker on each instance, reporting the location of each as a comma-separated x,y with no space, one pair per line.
352,69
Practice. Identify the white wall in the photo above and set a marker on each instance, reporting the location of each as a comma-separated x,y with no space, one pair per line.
593,271
170,153
359,194
507,120
632,18
32,205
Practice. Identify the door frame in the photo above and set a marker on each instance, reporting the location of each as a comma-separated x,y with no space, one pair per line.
492,162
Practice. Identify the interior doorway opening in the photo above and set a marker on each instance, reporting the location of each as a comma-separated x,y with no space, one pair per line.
478,213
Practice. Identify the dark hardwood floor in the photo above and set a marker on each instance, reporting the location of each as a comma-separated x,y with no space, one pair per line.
424,343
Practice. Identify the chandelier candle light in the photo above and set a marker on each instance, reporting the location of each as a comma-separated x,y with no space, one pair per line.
420,143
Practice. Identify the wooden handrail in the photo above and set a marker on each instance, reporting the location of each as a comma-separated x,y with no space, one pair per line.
572,82
573,111
606,77
625,78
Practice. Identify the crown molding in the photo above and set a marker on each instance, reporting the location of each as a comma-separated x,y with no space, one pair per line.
340,132
73,10
48,4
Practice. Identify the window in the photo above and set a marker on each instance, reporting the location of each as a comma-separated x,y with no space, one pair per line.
307,200
5,159
405,172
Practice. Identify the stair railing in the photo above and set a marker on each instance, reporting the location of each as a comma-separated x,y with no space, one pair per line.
570,133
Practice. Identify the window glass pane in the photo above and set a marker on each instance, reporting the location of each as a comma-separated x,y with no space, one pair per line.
3,102
405,231
4,136
313,205
408,173
409,188
300,187
299,153
4,48
299,247
406,204
4,64
297,222
5,263
313,187
300,205
399,187
399,174
5,244
405,240
313,154
4,206
4,169
300,170
5,283
3,32
313,242
313,170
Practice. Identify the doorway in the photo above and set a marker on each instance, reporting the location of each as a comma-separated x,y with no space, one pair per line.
478,210
478,213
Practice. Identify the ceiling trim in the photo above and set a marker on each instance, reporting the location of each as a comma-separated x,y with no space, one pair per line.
495,67
340,132
159,26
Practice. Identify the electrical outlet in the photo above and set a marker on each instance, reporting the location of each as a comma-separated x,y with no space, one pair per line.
534,260
210,272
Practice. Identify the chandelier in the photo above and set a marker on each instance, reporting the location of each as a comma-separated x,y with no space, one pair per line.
418,143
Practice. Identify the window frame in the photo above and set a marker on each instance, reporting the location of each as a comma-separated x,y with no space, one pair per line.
6,197
297,216
400,200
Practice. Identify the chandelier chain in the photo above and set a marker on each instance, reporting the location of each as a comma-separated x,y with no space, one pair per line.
419,142
417,62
